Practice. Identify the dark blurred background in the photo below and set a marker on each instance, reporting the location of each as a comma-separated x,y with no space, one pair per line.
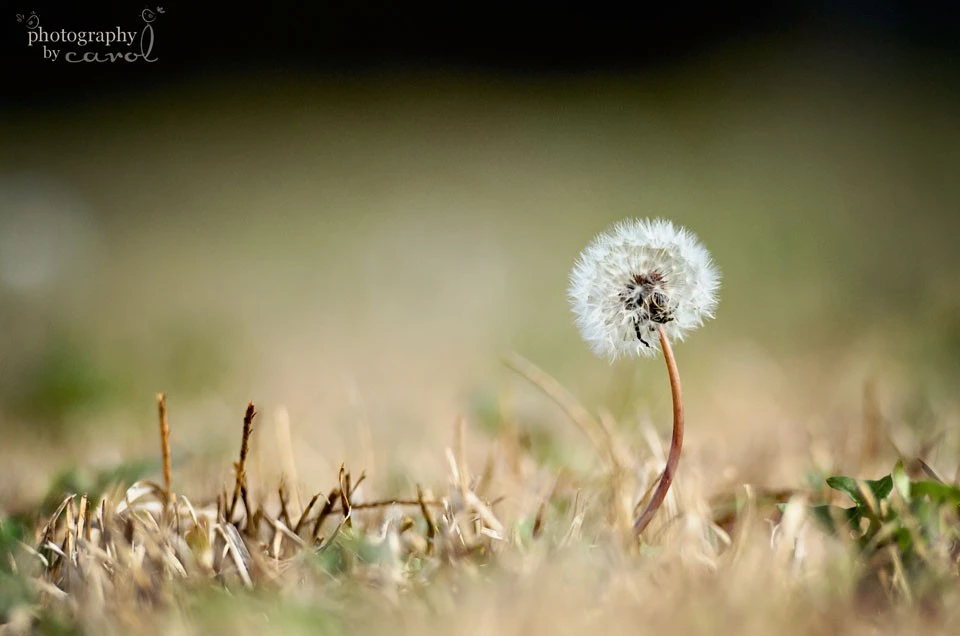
348,211
348,37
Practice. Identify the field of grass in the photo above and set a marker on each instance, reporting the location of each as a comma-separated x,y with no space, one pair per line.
380,265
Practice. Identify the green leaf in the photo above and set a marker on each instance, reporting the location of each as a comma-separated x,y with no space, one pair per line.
904,539
14,591
881,488
847,485
75,480
936,491
901,481
828,516
524,529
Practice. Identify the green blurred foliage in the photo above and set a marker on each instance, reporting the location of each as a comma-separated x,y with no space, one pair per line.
919,519
65,377
70,377
348,547
94,483
213,610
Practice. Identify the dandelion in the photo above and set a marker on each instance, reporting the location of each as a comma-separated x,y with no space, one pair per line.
636,288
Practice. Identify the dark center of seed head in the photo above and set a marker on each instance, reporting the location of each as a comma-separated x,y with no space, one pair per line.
646,295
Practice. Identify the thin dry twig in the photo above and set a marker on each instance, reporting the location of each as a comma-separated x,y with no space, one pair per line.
240,466
284,512
324,513
386,503
165,446
306,512
428,518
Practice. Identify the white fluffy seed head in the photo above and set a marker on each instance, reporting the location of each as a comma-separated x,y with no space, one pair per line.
640,274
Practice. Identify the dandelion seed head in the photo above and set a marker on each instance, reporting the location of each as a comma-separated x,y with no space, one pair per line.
640,274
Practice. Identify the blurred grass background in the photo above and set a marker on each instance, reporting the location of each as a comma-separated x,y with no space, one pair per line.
360,250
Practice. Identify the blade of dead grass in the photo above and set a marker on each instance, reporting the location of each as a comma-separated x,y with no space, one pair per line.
50,527
460,450
344,479
872,426
623,469
233,545
283,530
71,540
82,511
555,391
288,461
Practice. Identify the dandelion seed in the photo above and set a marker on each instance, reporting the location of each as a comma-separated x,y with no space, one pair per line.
639,275
633,290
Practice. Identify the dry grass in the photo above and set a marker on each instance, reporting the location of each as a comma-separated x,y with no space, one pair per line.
514,547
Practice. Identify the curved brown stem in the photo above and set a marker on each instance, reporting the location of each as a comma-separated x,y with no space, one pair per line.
676,442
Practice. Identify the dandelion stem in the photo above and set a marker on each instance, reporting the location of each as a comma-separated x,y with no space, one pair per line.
676,442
